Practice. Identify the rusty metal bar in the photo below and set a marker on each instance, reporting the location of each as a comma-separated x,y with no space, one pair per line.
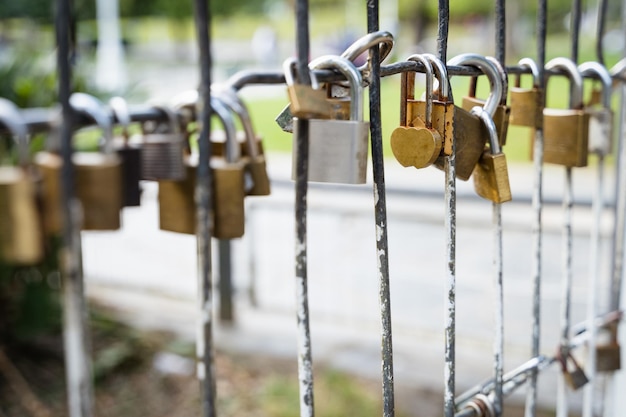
204,196
75,314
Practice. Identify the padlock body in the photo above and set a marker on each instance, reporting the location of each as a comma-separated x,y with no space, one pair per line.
307,102
442,120
49,166
257,169
162,156
415,146
20,227
491,178
566,137
337,151
130,157
500,118
470,137
600,130
608,357
525,107
576,379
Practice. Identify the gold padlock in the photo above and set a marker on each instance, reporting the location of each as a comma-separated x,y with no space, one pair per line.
566,131
21,237
600,114
501,115
306,101
526,103
574,375
415,142
491,176
177,207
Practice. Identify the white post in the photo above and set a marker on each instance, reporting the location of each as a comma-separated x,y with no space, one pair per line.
110,68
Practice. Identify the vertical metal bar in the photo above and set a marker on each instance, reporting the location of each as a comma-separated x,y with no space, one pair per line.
449,371
602,10
204,196
380,214
75,316
537,207
225,281
305,359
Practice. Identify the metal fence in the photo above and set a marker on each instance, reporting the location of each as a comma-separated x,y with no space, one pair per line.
486,398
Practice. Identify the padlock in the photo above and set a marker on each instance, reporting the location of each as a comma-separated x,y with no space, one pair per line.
162,152
177,207
526,103
501,115
130,155
491,176
600,117
254,158
470,134
609,353
306,101
21,237
574,375
566,131
418,146
338,148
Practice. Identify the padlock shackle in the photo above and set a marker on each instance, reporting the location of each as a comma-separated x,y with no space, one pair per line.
348,69
12,119
232,100
382,38
619,69
490,70
428,69
233,152
119,106
441,73
530,64
94,108
290,67
591,69
503,78
487,120
571,70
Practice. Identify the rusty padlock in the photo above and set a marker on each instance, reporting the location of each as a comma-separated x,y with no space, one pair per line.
470,134
163,149
177,207
501,115
491,176
526,103
130,155
416,143
574,375
566,131
21,234
306,101
600,116
609,353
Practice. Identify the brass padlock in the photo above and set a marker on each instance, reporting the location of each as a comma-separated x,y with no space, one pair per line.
526,103
21,237
566,131
338,148
415,142
306,101
609,353
163,150
491,176
177,207
600,116
574,375
470,134
254,158
501,115
130,155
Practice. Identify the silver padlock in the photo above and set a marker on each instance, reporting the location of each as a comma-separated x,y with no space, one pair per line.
338,148
600,117
162,153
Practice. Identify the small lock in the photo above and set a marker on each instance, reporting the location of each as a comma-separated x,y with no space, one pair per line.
306,101
418,146
162,152
130,155
21,237
470,134
502,112
566,131
491,176
526,103
338,148
177,206
609,352
600,114
573,374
